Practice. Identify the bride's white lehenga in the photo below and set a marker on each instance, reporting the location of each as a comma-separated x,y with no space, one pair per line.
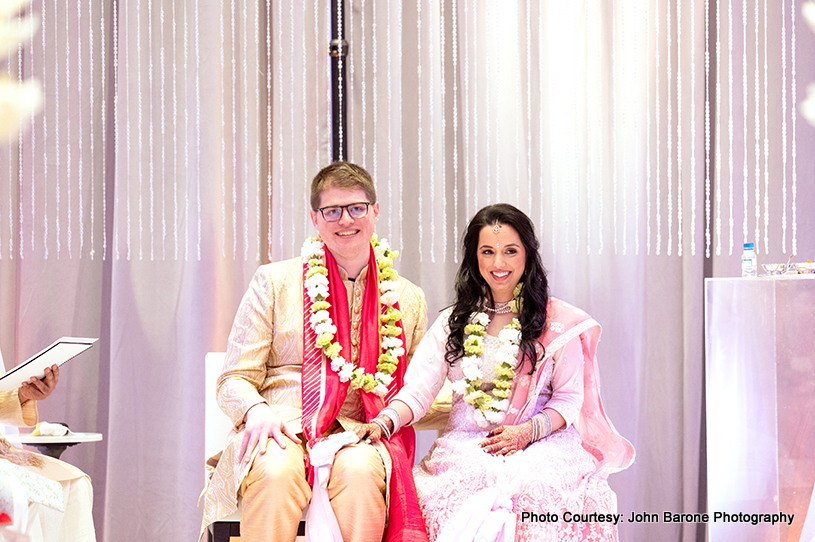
554,475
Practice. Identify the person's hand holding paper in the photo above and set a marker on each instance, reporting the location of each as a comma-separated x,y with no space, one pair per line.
33,375
38,389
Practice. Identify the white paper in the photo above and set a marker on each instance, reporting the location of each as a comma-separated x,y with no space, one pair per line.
58,353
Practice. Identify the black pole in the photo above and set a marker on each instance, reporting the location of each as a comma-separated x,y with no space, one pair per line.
338,49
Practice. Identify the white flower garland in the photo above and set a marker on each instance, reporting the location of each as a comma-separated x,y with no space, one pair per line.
391,346
488,409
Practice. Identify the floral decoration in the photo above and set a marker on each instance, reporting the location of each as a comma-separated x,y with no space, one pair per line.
488,408
19,100
390,343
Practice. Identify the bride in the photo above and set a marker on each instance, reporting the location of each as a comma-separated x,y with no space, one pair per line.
527,447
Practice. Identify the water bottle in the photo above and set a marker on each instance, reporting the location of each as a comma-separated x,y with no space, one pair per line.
749,261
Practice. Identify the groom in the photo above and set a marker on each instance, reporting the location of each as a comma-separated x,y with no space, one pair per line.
317,345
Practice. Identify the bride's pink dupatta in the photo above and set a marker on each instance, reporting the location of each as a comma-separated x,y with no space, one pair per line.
611,452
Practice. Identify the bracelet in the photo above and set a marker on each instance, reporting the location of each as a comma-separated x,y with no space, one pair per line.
541,426
536,428
394,416
383,426
547,424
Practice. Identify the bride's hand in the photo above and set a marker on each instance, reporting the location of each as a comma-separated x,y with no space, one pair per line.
368,432
508,439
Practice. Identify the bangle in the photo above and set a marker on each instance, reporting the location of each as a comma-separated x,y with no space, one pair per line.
541,426
394,416
547,424
383,426
534,429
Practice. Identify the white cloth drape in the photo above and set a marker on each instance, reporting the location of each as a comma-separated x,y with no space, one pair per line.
178,139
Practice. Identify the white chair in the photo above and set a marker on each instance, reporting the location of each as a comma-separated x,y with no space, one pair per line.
218,424
217,427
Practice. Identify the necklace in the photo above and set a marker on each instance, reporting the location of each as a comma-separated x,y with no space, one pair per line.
391,346
488,407
501,307
506,307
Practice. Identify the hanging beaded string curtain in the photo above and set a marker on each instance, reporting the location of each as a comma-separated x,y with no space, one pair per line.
194,154
638,127
634,127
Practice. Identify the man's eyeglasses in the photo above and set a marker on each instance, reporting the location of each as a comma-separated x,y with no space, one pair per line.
334,212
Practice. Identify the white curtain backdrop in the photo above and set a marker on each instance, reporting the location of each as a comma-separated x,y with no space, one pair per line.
647,140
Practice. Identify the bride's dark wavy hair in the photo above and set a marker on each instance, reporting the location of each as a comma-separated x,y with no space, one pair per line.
472,290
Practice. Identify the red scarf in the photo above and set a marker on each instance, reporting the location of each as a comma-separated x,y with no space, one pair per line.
323,394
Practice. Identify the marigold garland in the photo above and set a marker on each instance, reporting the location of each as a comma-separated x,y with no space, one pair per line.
391,346
488,408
